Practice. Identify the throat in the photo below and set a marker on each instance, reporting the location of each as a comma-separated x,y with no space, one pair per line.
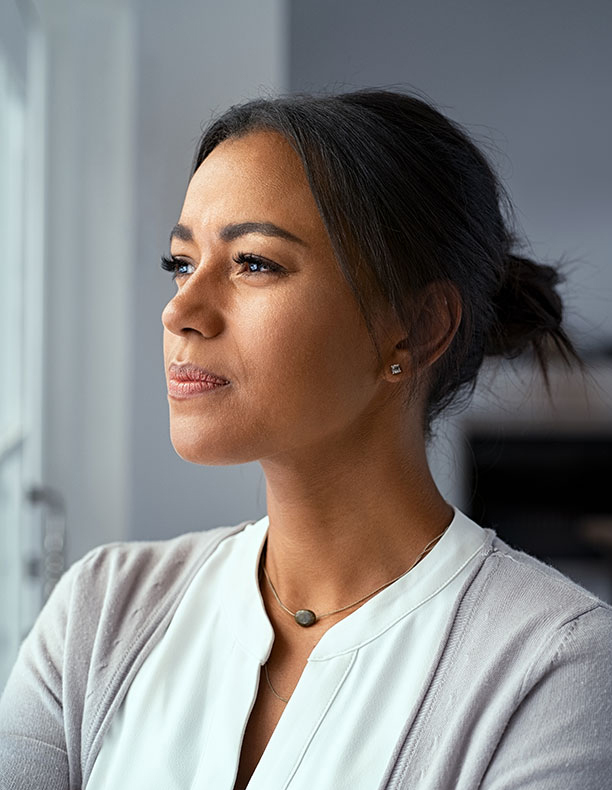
306,618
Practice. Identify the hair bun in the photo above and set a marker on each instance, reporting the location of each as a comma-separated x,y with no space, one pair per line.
528,310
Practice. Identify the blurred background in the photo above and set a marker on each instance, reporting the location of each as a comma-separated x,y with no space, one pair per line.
101,105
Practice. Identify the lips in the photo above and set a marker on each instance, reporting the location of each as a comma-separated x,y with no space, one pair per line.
187,371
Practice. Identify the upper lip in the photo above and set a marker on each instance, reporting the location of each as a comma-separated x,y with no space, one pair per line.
187,371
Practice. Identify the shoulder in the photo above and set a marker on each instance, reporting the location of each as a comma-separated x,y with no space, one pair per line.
104,614
527,586
120,596
547,644
510,595
148,563
114,599
521,693
521,616
118,589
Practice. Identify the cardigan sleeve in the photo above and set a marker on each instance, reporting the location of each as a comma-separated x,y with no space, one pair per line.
33,750
559,736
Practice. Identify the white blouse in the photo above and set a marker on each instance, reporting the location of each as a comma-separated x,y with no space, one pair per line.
181,724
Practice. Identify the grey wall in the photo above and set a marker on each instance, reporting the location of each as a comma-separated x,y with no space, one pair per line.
530,76
194,58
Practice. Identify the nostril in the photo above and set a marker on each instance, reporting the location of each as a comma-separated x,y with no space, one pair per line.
190,310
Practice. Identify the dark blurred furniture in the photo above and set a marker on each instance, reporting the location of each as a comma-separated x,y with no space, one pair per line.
539,471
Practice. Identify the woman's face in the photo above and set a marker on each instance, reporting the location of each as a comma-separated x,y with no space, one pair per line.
282,328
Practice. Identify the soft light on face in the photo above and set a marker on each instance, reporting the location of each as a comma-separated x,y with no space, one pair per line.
271,314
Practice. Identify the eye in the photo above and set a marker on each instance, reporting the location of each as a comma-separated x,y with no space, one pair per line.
254,265
172,264
257,265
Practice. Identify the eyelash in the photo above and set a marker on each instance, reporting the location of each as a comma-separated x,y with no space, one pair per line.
172,264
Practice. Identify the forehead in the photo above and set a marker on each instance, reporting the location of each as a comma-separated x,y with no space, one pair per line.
255,176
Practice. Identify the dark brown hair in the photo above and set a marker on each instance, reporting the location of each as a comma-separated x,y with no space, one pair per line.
408,199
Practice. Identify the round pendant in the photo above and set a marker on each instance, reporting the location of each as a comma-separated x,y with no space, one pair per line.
305,617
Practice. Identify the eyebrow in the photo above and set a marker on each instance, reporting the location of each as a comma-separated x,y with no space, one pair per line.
235,230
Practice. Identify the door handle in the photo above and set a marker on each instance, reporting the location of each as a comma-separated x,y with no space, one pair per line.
53,539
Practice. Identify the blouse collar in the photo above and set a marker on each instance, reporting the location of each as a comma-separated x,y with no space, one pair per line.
244,606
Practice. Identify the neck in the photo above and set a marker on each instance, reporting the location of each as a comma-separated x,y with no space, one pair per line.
346,520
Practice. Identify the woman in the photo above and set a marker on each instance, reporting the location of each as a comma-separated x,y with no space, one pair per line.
342,267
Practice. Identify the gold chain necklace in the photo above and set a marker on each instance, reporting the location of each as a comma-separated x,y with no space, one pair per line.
276,694
306,617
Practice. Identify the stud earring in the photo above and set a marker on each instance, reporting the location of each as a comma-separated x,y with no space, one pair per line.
396,369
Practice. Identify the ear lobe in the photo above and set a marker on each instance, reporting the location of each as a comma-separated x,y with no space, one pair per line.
436,315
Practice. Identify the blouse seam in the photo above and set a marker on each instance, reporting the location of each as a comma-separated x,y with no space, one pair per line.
319,721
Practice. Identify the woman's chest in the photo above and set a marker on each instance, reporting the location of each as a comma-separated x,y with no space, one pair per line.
200,712
283,669
262,722
226,729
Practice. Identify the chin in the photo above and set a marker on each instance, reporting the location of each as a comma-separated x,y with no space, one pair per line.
207,451
208,460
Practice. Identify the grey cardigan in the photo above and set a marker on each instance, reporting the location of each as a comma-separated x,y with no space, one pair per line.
519,696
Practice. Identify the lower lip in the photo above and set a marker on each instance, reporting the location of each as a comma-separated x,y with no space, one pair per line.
191,389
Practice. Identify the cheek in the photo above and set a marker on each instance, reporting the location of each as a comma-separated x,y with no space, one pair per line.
316,356
169,348
166,345
304,368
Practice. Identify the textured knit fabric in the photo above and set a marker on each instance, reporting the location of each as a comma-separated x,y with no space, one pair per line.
519,695
183,718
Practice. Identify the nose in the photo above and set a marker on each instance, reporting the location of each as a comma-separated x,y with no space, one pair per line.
190,309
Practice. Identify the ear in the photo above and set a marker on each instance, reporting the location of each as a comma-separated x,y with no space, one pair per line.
436,318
